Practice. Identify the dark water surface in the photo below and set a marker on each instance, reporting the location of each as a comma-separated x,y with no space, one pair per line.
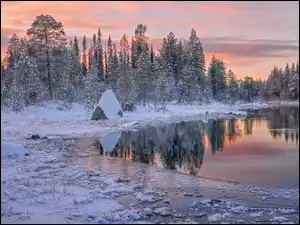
261,149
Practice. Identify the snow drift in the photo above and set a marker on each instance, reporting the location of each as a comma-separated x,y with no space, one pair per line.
11,149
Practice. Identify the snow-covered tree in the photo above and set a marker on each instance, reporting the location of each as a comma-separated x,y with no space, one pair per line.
91,58
112,65
4,89
93,88
124,81
294,83
168,54
138,42
232,89
47,38
207,93
84,60
100,55
196,62
28,78
16,100
217,76
141,75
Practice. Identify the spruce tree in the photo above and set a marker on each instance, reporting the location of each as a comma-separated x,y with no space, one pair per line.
84,60
141,75
232,89
217,76
294,83
100,56
124,82
91,59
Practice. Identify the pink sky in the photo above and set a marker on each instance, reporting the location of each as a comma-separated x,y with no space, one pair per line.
251,37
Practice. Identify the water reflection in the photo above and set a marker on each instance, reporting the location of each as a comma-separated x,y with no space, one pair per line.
181,146
282,123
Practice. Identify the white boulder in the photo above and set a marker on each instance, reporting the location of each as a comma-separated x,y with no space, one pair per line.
108,107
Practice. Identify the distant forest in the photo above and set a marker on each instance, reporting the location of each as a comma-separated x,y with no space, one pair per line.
43,66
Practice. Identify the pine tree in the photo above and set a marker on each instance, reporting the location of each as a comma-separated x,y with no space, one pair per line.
138,42
76,48
168,54
294,83
93,53
4,89
92,88
232,89
115,76
151,55
13,52
111,79
207,93
217,76
287,75
16,100
100,55
46,35
91,59
105,62
84,62
124,82
249,90
67,92
196,61
109,48
141,75
161,87
75,75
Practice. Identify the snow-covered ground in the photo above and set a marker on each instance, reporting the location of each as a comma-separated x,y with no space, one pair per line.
55,183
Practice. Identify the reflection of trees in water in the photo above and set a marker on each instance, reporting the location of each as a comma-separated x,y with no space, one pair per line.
181,146
248,126
283,123
233,131
216,132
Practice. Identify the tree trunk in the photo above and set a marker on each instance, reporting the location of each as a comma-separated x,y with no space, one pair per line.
144,98
49,75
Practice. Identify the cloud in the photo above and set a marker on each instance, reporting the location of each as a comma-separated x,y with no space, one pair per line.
250,49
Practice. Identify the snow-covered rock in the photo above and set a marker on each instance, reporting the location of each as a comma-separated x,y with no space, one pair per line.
163,211
11,149
108,107
109,141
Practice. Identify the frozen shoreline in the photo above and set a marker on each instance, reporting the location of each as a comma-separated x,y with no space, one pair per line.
51,121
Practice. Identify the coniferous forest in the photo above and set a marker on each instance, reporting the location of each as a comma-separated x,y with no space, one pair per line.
45,66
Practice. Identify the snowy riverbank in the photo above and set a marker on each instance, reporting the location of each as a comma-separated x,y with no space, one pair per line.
53,120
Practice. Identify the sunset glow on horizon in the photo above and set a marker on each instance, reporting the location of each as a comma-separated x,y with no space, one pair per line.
251,37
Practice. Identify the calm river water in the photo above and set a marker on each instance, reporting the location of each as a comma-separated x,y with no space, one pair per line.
262,149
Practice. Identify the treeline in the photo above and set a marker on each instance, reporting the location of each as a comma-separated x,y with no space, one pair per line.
282,84
43,66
